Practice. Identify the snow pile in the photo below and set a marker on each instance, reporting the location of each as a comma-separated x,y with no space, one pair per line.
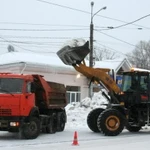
77,112
74,42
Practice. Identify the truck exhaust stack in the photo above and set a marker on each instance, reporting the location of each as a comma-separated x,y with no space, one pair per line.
73,55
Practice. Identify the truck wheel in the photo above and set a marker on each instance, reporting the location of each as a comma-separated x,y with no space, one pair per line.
51,126
61,121
111,122
31,130
132,128
92,119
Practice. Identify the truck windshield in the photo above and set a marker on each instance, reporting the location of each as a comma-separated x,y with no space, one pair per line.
11,85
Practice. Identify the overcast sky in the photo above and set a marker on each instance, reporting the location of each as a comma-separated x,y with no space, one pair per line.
44,25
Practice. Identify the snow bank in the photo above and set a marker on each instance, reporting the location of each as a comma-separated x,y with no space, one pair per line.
77,112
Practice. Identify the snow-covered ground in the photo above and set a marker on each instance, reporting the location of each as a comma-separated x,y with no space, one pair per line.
87,140
77,113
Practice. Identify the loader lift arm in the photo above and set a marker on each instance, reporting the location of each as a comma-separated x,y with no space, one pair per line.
99,75
75,56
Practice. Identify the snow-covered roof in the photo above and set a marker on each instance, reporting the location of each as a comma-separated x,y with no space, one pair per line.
113,64
53,60
14,57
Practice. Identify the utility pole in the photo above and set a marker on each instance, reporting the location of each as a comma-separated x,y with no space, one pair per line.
91,37
91,43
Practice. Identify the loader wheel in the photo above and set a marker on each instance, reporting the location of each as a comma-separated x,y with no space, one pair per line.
61,120
132,128
92,119
111,122
31,130
51,126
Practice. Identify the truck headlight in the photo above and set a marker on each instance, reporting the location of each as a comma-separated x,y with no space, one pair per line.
14,124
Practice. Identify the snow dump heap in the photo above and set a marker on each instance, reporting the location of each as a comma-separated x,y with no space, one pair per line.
77,112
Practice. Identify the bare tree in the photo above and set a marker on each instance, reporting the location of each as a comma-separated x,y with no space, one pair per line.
103,53
140,56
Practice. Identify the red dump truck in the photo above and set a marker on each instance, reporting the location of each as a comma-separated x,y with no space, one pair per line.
29,105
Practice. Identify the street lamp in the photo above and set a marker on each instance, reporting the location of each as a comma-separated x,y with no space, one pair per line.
91,33
91,42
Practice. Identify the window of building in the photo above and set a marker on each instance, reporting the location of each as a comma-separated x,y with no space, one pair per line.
73,94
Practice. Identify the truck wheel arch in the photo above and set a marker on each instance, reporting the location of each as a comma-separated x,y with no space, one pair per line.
34,112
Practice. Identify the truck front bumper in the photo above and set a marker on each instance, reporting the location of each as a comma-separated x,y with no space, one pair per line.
10,123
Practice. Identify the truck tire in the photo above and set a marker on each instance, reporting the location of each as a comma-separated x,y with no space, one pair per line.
92,119
31,130
111,122
133,128
51,126
61,121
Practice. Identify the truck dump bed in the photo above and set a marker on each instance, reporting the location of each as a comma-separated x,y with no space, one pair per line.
57,95
49,94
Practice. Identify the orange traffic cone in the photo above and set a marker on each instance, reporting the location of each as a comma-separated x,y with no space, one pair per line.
75,140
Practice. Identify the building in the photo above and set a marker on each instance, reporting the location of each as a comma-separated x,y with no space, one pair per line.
53,69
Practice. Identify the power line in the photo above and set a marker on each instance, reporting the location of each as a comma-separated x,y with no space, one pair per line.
107,28
62,25
116,38
125,28
128,23
55,30
31,42
132,22
38,24
6,29
63,6
39,37
35,45
67,7
110,48
22,47
127,55
123,42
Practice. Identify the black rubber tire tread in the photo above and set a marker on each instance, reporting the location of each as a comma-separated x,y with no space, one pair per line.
101,122
27,130
133,128
61,121
92,119
51,126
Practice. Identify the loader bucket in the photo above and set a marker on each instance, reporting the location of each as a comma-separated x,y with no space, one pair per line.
73,55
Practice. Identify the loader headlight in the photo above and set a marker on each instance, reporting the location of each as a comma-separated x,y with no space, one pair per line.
122,103
14,124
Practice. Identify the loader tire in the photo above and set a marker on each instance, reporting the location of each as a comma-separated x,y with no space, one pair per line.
132,128
92,119
111,122
31,129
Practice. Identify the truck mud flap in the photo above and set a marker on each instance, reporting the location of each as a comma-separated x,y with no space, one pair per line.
73,55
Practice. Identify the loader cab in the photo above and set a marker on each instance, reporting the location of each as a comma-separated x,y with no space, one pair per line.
136,86
135,81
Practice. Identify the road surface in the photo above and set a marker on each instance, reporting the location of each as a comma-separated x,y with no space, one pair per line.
86,139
